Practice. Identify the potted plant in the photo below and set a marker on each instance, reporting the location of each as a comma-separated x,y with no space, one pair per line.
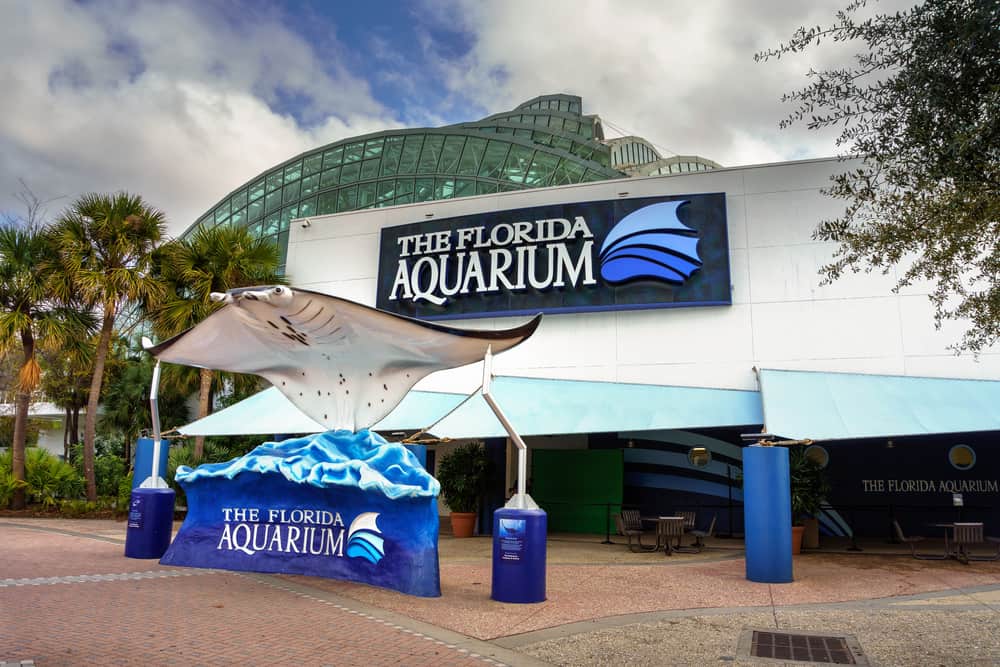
808,489
464,474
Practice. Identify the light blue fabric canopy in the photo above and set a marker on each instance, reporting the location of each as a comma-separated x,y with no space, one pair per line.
538,406
840,406
535,406
269,412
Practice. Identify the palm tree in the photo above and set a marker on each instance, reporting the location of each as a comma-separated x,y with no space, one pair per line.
30,318
65,380
212,260
125,405
105,245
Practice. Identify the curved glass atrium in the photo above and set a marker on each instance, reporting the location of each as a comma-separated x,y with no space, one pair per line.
546,141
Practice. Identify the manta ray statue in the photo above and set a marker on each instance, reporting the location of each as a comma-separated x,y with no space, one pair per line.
344,503
343,364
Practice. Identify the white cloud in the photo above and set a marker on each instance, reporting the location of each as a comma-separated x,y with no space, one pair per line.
177,101
170,101
680,75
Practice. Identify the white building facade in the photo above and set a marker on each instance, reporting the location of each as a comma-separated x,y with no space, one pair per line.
779,317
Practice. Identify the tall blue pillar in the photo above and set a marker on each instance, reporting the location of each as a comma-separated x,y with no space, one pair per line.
767,514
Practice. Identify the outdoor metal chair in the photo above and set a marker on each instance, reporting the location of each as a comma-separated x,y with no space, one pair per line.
699,535
629,524
689,517
914,540
967,534
669,533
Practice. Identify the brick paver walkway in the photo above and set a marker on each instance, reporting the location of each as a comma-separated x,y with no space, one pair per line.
69,600
68,596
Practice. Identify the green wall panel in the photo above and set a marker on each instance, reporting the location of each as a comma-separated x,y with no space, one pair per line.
575,487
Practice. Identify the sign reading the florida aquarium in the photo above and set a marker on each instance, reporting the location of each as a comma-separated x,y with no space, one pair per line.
336,504
316,532
620,254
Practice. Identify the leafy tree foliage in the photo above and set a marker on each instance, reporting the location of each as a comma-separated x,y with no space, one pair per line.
7,433
105,245
920,109
126,410
211,260
65,381
31,318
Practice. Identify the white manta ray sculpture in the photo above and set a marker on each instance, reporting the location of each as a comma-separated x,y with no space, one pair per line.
343,364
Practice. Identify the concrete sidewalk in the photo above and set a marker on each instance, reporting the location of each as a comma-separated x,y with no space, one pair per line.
69,597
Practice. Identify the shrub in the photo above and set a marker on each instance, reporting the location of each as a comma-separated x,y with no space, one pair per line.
109,470
227,448
75,508
7,482
49,478
809,486
464,474
124,494
180,456
109,464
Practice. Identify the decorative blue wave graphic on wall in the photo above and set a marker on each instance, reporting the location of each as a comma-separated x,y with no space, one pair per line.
650,243
364,539
649,472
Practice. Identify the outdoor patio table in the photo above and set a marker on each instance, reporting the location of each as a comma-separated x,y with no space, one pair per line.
968,533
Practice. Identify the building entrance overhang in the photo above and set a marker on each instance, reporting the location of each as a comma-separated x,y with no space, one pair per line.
539,406
847,406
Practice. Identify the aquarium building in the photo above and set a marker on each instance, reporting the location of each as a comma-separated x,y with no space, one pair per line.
684,308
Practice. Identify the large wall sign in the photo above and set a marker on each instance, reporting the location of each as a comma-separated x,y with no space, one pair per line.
337,504
620,254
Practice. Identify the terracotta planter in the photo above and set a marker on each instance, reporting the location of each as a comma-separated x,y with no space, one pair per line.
797,532
463,524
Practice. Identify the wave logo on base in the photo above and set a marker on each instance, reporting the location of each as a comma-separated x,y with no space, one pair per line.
364,539
650,243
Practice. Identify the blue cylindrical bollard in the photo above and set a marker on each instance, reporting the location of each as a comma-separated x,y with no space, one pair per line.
519,555
767,512
144,460
150,523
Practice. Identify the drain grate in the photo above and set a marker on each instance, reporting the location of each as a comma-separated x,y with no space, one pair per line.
805,647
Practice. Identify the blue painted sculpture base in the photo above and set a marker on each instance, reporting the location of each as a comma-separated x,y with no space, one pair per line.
339,504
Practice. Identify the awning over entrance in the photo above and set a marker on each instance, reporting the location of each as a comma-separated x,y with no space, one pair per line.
269,412
537,406
840,406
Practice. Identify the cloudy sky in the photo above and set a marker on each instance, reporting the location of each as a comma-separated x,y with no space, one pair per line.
183,101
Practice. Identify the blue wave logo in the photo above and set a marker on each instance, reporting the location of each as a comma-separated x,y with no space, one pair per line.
650,243
364,539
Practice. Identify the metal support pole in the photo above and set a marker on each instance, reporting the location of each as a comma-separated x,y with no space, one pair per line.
521,499
854,538
155,480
